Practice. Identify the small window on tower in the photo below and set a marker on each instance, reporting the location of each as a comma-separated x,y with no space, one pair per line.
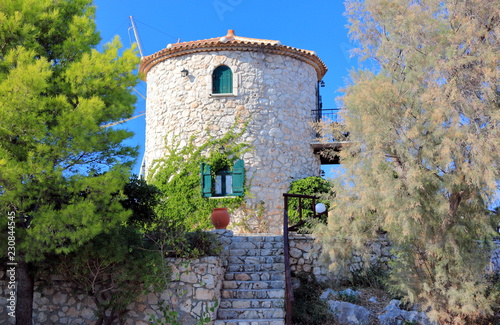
224,182
222,80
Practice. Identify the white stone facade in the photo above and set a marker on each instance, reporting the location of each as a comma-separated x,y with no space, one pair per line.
275,93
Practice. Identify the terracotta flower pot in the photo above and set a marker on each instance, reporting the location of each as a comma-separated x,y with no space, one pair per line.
220,218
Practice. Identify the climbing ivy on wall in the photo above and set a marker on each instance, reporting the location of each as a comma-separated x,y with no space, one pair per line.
178,177
219,161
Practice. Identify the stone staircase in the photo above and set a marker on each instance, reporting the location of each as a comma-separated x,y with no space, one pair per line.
253,290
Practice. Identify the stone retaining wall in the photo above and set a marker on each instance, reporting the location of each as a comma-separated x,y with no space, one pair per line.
495,257
194,289
305,257
192,293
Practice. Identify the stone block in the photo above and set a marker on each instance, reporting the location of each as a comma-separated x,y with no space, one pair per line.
242,277
152,299
200,268
186,306
87,313
189,277
60,298
349,313
208,281
204,294
42,317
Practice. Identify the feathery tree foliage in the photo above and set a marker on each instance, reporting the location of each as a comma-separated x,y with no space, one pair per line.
61,173
423,162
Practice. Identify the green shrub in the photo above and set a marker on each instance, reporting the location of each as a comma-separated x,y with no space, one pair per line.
372,277
314,186
202,243
353,298
308,308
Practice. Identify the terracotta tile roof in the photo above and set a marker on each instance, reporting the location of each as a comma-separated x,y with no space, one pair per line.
231,42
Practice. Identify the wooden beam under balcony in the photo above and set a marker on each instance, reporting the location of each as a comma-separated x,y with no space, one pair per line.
334,146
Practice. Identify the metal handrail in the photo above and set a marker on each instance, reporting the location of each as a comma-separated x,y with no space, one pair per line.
286,249
288,274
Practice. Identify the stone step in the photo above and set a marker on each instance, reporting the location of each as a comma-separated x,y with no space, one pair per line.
254,276
257,238
253,288
253,285
232,260
257,242
250,322
255,245
252,293
251,303
251,313
264,267
256,252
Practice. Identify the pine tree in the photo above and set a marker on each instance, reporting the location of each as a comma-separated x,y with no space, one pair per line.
424,153
61,172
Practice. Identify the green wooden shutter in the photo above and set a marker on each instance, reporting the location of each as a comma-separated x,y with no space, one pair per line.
238,178
206,180
222,80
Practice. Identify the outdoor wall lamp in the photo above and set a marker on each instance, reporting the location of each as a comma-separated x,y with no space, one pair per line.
320,208
184,73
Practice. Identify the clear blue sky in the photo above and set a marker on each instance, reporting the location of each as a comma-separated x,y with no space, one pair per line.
317,25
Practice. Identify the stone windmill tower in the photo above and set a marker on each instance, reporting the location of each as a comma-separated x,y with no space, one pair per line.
201,86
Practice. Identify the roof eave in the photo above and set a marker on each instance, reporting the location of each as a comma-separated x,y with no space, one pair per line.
148,62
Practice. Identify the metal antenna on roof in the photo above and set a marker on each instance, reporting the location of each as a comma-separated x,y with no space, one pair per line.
136,35
123,121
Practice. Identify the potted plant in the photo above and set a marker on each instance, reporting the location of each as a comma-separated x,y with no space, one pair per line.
220,218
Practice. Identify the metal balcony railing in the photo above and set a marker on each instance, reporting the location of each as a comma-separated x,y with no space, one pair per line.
326,115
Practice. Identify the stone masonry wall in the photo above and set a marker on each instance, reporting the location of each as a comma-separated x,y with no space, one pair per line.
194,288
275,93
193,291
495,257
305,257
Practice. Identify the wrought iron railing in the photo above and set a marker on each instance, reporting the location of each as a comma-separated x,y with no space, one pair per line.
288,273
286,247
326,115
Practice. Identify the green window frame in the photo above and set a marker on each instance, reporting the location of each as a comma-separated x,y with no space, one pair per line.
224,182
222,80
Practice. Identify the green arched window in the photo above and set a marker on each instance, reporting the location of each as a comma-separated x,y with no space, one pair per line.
222,80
